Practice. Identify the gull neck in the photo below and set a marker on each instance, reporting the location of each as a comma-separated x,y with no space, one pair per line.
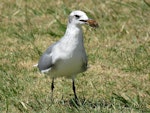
73,29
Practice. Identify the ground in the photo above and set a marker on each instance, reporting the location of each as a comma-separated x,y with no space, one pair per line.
118,77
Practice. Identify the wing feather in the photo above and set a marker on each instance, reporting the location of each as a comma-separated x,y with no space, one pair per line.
45,61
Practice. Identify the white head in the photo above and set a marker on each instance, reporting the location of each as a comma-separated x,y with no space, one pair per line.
79,17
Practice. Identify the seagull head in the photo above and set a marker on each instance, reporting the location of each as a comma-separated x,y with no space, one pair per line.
79,17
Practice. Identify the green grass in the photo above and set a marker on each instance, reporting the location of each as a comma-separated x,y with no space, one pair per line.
118,78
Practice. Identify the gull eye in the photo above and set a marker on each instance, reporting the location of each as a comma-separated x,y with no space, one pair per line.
77,16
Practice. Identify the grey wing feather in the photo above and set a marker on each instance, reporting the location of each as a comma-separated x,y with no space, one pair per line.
85,61
45,61
84,65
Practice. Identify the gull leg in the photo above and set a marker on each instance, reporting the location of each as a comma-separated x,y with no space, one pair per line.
52,88
74,89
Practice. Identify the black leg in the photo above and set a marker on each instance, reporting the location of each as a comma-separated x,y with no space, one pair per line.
52,88
74,89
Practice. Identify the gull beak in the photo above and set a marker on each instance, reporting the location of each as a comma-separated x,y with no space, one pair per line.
92,23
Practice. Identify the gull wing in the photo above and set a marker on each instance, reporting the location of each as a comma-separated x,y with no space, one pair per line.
85,63
45,62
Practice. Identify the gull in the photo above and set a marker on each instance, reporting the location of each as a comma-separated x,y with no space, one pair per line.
67,57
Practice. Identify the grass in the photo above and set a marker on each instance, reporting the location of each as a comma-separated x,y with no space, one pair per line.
118,78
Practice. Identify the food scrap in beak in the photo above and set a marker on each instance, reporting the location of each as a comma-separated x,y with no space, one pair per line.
92,23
